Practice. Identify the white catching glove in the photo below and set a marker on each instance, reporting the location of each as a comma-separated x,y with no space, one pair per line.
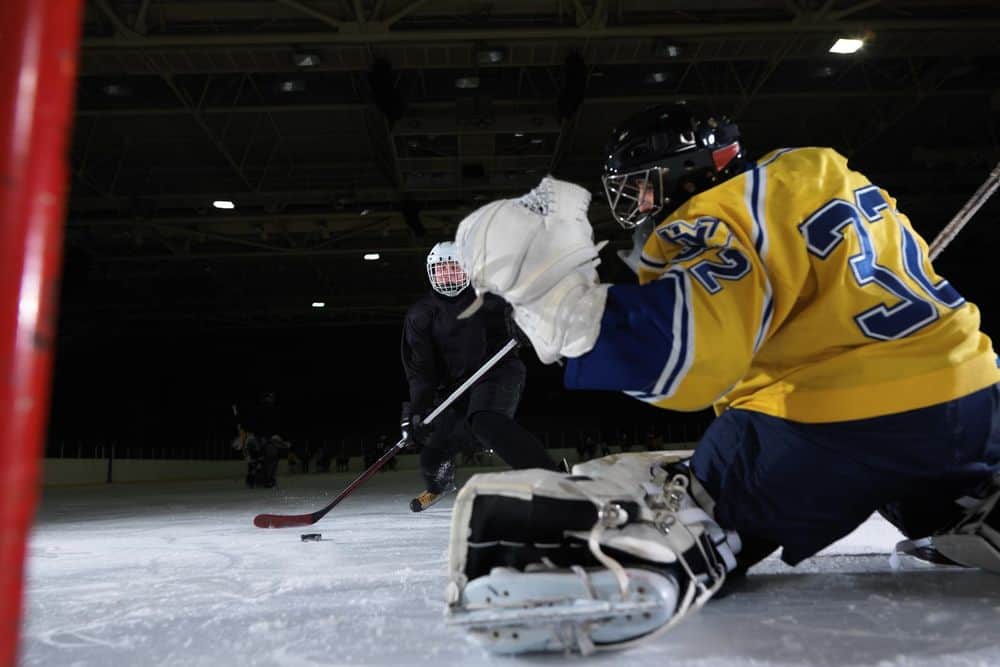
538,254
566,320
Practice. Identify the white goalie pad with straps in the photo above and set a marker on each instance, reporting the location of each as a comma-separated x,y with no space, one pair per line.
615,553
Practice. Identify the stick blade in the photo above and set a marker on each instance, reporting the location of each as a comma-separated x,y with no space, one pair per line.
283,521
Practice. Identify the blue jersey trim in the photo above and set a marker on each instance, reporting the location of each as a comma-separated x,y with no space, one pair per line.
644,344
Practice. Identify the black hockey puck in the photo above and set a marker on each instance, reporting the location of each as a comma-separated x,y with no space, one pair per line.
312,537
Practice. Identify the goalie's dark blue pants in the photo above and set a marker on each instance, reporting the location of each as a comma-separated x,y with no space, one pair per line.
803,486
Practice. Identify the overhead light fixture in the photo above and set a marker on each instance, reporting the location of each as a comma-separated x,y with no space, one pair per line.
365,211
292,86
223,203
306,59
493,55
372,256
467,82
847,45
657,77
519,134
666,50
116,90
319,304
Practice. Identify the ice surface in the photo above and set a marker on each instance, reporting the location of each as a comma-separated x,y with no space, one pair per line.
175,574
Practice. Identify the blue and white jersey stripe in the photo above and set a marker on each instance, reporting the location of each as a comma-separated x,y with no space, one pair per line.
646,345
680,355
650,263
682,347
755,190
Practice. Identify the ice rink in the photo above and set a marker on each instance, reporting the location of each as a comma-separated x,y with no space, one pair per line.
175,574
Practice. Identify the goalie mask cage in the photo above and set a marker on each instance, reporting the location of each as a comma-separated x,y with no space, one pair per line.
38,56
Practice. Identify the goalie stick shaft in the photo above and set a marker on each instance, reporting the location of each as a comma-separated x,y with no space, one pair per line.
965,213
292,520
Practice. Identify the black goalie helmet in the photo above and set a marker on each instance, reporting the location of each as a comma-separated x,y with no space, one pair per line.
660,157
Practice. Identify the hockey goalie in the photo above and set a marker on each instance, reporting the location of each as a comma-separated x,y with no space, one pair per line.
793,297
617,552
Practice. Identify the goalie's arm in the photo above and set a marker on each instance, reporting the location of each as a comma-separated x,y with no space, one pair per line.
681,341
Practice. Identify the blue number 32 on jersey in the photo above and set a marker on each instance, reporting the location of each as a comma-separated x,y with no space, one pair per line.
824,230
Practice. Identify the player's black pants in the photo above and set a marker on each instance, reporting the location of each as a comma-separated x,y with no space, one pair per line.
802,486
262,463
485,415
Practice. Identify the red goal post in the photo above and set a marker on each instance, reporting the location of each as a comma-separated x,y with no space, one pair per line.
39,42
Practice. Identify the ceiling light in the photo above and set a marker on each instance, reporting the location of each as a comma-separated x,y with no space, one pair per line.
292,86
306,59
666,50
491,56
467,82
372,256
845,45
657,77
365,211
223,203
319,304
116,90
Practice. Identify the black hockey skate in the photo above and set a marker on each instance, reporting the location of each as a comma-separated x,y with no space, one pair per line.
444,480
975,540
972,542
429,499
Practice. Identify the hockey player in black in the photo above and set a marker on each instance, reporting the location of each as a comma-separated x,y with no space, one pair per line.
439,351
258,439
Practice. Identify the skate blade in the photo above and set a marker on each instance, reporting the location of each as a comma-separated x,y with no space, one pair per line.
513,612
969,550
925,550
555,611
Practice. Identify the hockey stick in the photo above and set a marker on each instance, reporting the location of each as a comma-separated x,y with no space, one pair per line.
292,520
964,214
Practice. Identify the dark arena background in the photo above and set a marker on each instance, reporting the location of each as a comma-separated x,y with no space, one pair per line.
254,186
336,134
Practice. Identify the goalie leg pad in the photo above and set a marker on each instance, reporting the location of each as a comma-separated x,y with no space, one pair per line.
563,610
542,560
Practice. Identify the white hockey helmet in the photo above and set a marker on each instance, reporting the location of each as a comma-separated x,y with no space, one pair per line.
444,270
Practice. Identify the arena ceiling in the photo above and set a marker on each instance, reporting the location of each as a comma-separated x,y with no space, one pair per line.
345,127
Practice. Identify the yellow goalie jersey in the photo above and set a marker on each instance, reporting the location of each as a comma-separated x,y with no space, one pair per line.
795,289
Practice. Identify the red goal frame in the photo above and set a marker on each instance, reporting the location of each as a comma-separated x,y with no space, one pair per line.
39,44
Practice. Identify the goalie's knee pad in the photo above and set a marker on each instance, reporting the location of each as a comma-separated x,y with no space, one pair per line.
615,553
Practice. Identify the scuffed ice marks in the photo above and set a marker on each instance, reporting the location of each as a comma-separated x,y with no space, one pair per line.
176,575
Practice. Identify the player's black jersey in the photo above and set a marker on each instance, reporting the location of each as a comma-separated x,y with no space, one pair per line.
439,350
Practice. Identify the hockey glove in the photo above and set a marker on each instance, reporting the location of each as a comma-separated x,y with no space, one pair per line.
411,428
538,254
